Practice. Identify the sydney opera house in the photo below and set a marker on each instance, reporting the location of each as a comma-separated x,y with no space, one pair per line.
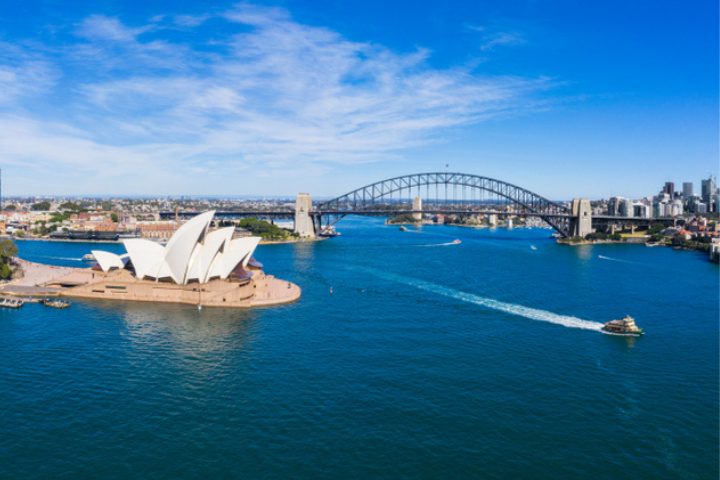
197,266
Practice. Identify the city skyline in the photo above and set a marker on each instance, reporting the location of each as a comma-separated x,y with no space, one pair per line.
261,98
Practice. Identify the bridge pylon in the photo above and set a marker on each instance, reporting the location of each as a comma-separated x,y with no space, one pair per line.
581,221
304,225
417,207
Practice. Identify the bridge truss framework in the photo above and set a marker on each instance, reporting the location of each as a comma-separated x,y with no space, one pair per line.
444,192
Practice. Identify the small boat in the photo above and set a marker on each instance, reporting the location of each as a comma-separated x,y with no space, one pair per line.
625,327
56,303
88,257
533,247
11,303
329,232
456,242
403,228
31,300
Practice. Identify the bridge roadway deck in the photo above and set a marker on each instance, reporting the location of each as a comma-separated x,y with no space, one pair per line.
290,214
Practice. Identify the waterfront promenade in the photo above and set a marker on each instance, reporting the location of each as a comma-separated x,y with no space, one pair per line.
35,278
50,280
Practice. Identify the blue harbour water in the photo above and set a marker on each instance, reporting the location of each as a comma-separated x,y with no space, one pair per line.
406,357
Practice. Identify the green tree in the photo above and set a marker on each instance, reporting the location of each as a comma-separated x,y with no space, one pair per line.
10,208
8,250
264,229
404,218
44,205
58,217
656,238
114,217
72,206
679,241
596,236
655,228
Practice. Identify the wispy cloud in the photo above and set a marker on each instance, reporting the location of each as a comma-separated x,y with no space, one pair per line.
100,27
501,39
491,38
23,74
274,95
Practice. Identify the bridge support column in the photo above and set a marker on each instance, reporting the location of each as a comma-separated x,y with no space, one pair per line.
417,206
303,222
492,220
581,223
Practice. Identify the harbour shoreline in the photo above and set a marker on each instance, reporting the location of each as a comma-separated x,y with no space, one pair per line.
43,280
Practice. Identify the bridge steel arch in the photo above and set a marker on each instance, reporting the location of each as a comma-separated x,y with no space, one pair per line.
525,202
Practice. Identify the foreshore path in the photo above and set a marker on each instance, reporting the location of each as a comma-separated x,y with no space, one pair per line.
36,276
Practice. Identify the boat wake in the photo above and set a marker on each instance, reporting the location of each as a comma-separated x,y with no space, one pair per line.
446,244
59,258
603,257
511,308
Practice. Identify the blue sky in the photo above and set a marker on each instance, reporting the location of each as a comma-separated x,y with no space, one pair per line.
565,98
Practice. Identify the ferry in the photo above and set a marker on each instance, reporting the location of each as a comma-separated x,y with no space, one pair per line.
329,232
625,327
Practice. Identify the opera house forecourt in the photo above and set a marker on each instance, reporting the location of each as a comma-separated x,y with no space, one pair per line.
198,266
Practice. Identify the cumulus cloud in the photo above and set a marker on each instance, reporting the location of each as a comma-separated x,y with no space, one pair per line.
275,94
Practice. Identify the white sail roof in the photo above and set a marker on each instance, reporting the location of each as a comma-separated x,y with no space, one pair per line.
239,250
179,249
213,248
108,260
146,256
191,254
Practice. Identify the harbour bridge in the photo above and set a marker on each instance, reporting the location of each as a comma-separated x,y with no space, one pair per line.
437,193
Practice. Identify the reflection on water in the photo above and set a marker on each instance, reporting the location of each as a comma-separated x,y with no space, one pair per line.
303,255
584,252
189,331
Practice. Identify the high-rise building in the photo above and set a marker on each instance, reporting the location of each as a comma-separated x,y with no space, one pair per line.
626,208
669,188
687,189
614,206
640,210
676,208
692,203
707,188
